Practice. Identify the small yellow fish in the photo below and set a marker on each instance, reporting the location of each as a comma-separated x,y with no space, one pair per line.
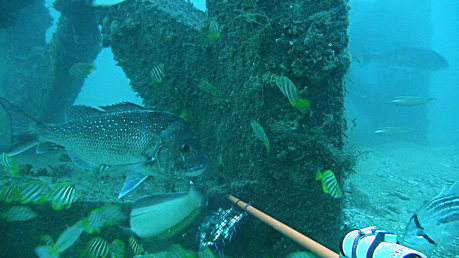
18,213
8,164
137,249
260,134
207,87
98,247
213,29
35,192
81,69
62,196
9,193
157,74
329,183
289,89
117,249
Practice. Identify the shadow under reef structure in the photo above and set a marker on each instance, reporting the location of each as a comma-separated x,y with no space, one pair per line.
219,70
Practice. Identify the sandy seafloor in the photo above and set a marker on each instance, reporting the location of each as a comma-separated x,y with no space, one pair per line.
393,180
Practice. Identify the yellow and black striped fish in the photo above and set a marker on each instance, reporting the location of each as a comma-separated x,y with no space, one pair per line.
135,246
289,89
98,247
35,192
8,164
18,213
62,196
9,193
214,29
157,74
260,134
329,183
209,88
117,249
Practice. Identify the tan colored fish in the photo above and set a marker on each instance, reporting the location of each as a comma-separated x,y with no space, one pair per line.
164,215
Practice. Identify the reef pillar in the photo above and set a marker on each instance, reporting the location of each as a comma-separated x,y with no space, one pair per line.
35,74
258,40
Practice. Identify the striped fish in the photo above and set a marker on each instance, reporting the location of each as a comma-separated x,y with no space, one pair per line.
135,246
8,164
112,214
117,249
9,193
209,88
329,183
18,213
35,192
62,196
214,29
157,74
65,240
289,89
94,222
260,134
436,223
98,247
102,170
47,240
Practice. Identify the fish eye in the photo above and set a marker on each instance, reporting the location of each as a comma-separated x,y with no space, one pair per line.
185,148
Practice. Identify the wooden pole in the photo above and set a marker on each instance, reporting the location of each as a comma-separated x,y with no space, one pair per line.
296,236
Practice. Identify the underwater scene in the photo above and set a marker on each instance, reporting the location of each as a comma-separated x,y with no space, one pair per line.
229,128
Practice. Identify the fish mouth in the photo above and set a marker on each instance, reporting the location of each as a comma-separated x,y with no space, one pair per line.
196,171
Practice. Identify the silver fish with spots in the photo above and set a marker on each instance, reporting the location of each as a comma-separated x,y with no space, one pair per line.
124,136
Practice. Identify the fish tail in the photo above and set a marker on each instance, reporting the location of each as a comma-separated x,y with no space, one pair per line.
23,128
319,175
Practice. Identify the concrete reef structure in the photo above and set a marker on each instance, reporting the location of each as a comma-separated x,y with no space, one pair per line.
35,73
305,41
238,48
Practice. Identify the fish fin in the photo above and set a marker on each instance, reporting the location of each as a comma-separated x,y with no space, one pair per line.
46,147
21,143
319,175
181,225
127,230
81,162
123,106
45,251
453,190
324,187
79,112
157,198
133,179
23,128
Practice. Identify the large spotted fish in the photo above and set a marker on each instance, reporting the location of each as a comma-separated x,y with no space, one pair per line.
124,136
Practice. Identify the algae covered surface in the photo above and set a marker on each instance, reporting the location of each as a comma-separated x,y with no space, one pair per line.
259,40
218,71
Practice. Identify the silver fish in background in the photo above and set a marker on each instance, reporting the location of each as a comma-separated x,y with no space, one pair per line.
436,223
415,59
104,2
391,131
407,101
125,137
